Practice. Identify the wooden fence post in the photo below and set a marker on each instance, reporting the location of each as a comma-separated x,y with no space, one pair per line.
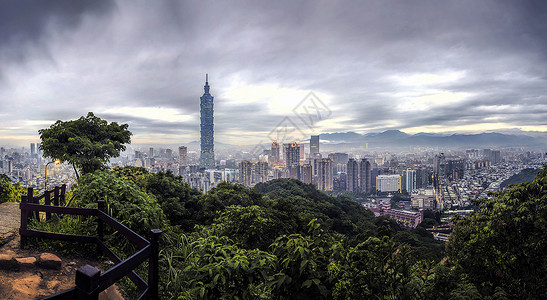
47,201
100,225
56,196
87,283
24,220
63,192
153,279
30,199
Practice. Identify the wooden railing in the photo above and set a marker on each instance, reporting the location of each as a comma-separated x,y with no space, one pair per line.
89,280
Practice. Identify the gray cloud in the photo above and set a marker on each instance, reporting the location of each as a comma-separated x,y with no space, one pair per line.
61,59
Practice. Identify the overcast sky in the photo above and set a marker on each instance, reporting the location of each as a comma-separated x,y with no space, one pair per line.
416,66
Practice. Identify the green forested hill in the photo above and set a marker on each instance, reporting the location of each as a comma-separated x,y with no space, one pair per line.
526,175
286,240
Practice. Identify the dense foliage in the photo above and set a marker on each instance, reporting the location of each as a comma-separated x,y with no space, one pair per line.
285,240
525,175
87,143
9,192
503,245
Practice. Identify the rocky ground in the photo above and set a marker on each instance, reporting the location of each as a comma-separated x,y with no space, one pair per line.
30,273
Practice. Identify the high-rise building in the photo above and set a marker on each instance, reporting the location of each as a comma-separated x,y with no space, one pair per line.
352,178
409,181
245,173
260,172
306,173
339,162
365,176
302,154
207,157
274,152
439,164
168,153
294,171
183,155
151,152
292,154
32,149
324,174
494,156
388,183
314,145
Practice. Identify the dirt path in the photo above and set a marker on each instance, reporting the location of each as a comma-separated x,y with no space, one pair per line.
10,218
31,282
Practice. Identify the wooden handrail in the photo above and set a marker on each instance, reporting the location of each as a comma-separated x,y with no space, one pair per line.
88,285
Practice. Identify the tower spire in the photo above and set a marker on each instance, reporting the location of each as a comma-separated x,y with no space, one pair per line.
206,78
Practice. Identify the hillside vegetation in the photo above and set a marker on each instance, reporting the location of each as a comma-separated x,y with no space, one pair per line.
286,240
525,175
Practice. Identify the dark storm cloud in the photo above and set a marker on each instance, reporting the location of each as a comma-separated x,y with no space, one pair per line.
113,55
25,23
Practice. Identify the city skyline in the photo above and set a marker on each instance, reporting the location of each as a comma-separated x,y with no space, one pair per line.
452,66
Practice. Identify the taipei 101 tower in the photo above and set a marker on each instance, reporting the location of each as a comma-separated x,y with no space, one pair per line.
207,157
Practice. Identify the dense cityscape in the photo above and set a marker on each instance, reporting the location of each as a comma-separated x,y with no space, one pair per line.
427,180
273,150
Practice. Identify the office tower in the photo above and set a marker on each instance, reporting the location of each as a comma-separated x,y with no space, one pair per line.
306,173
314,145
294,171
314,163
302,154
388,183
151,152
207,157
324,174
352,178
274,153
245,174
260,172
183,154
421,177
32,149
292,154
494,156
365,176
339,162
168,153
439,164
409,181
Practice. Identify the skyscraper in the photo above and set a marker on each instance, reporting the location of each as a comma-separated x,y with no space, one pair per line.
207,157
352,178
314,145
365,176
324,175
260,172
274,153
306,173
245,173
183,153
292,154
32,149
409,181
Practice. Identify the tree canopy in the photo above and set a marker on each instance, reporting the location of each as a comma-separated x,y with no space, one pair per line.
87,143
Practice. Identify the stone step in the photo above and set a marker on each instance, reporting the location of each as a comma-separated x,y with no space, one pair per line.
46,261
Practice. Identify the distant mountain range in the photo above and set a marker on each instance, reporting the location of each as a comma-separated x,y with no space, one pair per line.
396,138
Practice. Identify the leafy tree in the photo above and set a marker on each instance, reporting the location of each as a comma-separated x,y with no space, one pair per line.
87,143
124,201
226,194
205,266
250,227
503,244
9,192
